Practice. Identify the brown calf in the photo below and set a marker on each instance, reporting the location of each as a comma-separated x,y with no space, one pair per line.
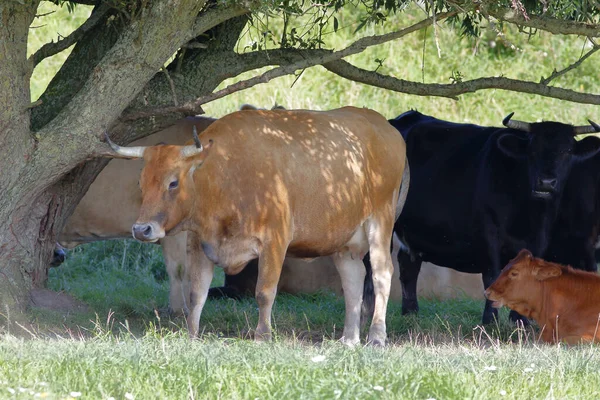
563,301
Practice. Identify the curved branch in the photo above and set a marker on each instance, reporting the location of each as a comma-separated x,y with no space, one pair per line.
552,25
215,16
453,90
576,64
52,48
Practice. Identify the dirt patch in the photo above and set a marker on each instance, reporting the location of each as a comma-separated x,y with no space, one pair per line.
56,301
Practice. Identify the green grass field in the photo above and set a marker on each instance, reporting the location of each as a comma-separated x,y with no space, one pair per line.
124,347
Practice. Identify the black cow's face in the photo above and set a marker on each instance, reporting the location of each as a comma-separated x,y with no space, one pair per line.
550,150
549,158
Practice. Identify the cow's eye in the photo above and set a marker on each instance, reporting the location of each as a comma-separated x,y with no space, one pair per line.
514,274
173,184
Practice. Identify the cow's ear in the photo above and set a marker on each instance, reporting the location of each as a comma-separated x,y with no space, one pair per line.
546,272
514,146
198,160
586,148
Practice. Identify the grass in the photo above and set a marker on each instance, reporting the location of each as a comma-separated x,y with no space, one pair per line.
169,366
125,348
122,348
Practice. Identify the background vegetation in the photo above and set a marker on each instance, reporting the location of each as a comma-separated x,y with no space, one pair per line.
125,348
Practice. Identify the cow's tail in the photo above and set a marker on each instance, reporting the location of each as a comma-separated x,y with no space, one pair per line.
368,305
404,185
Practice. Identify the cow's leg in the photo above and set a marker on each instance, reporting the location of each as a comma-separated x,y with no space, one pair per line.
201,271
239,285
490,314
352,273
410,267
270,263
379,233
174,254
589,257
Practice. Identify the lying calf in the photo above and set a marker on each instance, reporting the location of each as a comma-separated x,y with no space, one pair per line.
563,301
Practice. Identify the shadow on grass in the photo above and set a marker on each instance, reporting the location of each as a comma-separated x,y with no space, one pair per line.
125,294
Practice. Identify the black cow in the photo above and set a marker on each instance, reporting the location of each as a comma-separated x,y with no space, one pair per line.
480,194
576,230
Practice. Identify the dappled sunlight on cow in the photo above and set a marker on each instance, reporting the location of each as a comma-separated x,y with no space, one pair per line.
563,301
112,204
257,190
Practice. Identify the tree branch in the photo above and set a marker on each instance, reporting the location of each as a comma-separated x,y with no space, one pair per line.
552,25
304,60
215,16
453,90
556,74
52,48
114,82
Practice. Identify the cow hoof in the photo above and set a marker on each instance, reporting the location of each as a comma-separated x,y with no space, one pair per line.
262,337
376,339
376,342
350,342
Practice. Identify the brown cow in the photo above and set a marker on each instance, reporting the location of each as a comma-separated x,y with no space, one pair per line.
563,301
305,183
112,204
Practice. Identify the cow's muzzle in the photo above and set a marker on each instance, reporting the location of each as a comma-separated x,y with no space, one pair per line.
489,295
545,188
59,256
147,232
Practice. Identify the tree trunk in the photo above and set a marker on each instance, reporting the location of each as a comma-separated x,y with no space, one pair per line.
43,173
18,239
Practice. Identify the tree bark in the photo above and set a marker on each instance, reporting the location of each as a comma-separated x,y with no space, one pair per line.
41,180
17,147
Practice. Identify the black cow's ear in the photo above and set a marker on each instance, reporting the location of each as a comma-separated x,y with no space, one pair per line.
586,148
512,145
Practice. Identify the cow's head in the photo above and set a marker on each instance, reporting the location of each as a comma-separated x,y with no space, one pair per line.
549,149
167,185
518,284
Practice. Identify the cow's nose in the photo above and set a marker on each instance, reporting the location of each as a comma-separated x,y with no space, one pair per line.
142,231
547,183
486,293
58,257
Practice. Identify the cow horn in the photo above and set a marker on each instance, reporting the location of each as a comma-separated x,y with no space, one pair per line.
514,124
125,152
196,138
591,128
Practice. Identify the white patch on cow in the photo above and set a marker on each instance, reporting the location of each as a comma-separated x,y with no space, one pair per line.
402,244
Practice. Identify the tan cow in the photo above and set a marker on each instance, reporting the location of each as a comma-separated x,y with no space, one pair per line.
269,183
100,217
112,204
565,302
